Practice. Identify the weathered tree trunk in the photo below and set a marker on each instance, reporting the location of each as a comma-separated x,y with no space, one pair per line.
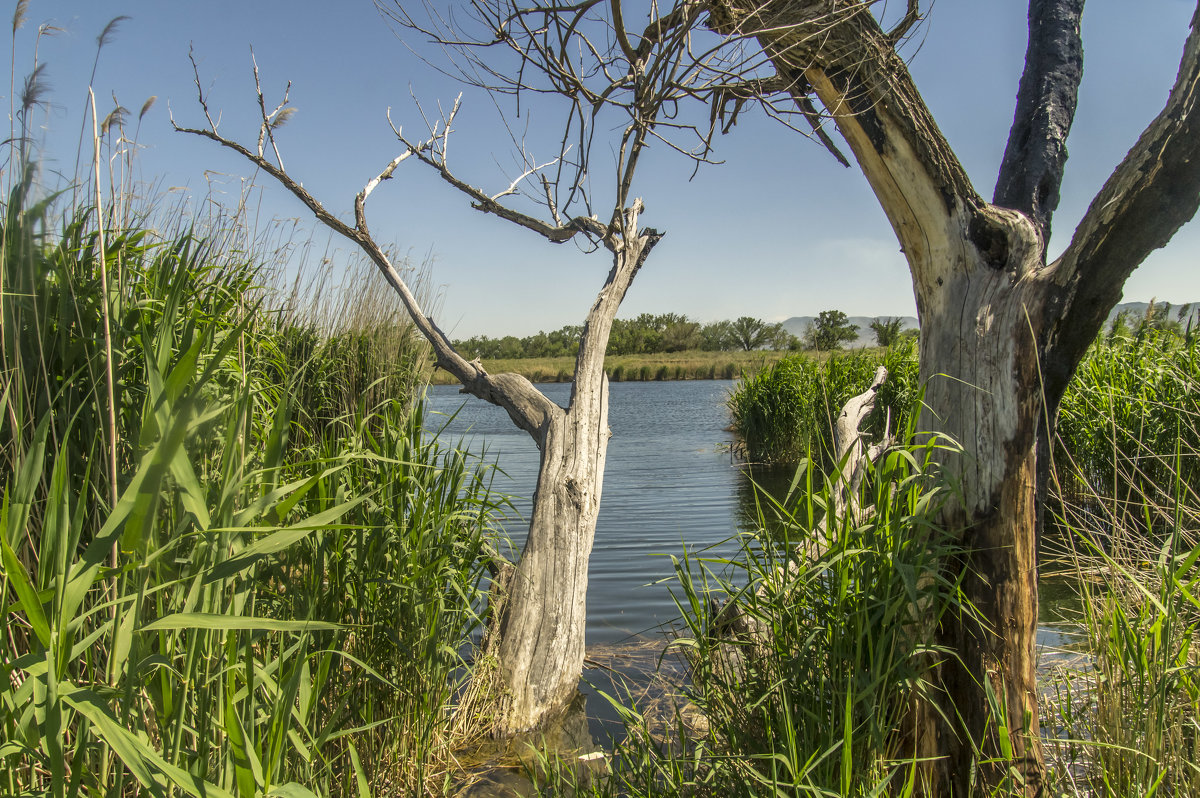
541,624
534,645
978,340
1002,331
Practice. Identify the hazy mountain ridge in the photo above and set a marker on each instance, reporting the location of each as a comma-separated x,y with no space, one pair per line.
796,325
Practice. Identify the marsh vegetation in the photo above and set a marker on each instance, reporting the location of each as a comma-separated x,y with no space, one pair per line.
233,561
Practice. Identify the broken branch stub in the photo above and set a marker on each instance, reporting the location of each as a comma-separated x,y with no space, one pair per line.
742,635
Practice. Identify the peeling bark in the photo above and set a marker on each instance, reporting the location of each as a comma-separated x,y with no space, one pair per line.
1036,154
1000,328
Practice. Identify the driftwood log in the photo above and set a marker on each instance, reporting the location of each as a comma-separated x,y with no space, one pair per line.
741,637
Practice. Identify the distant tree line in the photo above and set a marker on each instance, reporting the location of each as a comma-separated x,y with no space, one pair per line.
650,334
647,334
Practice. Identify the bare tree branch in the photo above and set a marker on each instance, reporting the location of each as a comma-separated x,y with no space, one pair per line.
482,201
528,408
587,53
849,63
911,17
1148,197
1036,154
272,120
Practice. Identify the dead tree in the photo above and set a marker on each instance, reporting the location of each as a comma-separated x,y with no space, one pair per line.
741,636
1003,330
536,631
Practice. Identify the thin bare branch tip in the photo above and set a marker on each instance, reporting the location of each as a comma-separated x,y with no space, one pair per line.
512,187
550,203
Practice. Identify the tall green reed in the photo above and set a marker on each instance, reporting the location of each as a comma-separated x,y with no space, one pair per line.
1134,401
807,693
111,605
1129,722
250,612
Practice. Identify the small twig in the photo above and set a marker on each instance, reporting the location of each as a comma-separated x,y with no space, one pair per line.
550,200
271,120
512,187
910,18
200,93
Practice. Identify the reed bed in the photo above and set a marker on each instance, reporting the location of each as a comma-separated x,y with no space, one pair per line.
231,564
785,413
1130,421
1127,532
817,709
806,700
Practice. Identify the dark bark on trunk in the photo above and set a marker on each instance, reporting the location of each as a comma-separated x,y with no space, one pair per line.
1150,195
1035,156
1032,170
997,323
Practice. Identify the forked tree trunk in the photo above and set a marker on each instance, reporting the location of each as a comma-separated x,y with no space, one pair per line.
979,360
537,635
541,628
1002,331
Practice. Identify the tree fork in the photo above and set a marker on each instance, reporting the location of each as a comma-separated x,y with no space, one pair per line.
1001,329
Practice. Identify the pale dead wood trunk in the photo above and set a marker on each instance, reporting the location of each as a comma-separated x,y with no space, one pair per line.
538,616
849,449
1002,331
541,626
742,636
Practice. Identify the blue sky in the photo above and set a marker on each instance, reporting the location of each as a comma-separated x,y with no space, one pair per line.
778,230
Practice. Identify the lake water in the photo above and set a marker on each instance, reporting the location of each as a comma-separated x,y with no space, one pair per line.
670,483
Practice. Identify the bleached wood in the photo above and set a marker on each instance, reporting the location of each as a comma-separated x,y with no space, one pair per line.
995,321
536,633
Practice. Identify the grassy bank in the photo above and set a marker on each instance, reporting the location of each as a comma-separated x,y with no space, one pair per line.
692,365
634,369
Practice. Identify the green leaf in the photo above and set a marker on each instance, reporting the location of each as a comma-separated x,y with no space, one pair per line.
29,476
25,592
192,495
280,540
291,790
228,623
364,791
146,765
